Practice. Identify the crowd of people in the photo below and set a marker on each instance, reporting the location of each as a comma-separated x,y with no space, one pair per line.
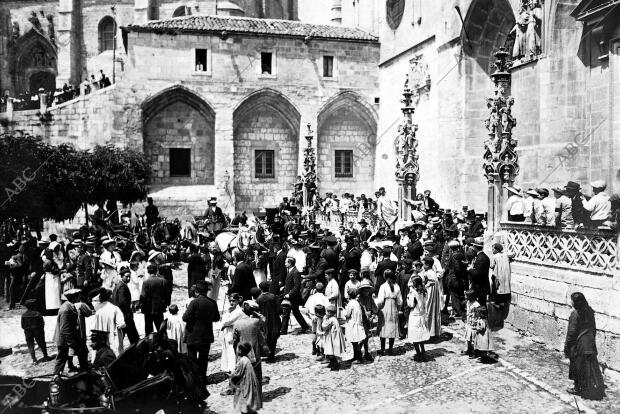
564,207
343,287
32,100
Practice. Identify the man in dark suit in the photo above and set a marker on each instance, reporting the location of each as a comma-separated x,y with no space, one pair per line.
292,292
214,216
243,278
329,254
87,267
196,267
383,265
430,205
365,232
153,299
121,297
68,336
415,248
479,273
270,308
278,269
199,317
250,330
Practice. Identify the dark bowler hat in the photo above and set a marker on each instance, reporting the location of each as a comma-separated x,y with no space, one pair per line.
571,185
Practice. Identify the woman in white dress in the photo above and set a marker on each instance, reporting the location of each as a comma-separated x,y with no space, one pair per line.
417,331
138,268
389,300
52,287
433,301
235,312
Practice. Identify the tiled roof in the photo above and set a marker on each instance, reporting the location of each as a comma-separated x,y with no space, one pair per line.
252,26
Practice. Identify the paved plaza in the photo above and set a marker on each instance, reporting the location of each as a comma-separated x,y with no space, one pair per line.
529,378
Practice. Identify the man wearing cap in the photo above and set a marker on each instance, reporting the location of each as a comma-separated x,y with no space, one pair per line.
292,292
121,297
385,264
515,205
270,308
365,232
199,317
563,209
67,333
478,273
598,205
109,261
153,299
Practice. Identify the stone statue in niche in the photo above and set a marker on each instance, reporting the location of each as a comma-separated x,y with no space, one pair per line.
526,30
16,33
51,33
34,20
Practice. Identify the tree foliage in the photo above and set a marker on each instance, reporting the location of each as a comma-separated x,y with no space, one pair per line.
39,180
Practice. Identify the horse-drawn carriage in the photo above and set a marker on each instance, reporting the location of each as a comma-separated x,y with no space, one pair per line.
147,377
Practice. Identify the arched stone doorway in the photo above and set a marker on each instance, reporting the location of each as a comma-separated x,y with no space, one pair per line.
347,133
179,137
34,63
266,140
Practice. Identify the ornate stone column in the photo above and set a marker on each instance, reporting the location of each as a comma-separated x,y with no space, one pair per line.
309,174
407,168
501,162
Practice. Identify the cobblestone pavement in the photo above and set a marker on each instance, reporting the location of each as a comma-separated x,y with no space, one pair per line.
529,378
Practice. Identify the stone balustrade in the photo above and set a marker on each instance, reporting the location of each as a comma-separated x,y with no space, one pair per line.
593,251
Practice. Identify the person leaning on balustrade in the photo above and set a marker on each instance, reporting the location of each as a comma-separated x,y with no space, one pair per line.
515,205
598,205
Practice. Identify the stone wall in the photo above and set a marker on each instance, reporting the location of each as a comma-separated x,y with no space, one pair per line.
344,130
541,306
264,129
180,126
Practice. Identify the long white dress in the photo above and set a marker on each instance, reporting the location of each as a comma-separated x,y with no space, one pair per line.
389,300
109,318
52,291
354,328
229,359
215,277
417,330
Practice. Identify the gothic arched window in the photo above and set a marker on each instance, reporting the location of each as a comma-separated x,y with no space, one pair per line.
394,12
180,11
106,34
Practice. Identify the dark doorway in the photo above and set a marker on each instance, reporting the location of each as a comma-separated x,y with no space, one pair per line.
43,79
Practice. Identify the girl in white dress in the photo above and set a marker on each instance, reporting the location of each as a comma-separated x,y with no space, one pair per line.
332,291
389,301
235,312
333,339
417,331
355,332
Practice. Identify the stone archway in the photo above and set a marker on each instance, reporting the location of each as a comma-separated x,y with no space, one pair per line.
347,130
34,63
179,138
266,139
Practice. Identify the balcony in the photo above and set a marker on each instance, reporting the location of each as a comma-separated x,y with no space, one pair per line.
332,221
585,250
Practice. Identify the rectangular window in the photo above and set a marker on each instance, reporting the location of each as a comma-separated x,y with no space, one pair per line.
201,60
328,66
266,63
344,163
180,162
264,164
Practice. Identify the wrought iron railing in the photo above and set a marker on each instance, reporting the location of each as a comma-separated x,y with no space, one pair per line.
593,251
332,220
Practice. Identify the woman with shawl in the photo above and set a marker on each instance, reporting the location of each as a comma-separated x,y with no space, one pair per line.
433,300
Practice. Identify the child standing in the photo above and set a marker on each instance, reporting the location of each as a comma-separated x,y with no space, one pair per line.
483,341
332,291
355,325
470,322
317,298
370,309
352,283
33,326
333,341
319,333
389,301
176,328
248,395
418,329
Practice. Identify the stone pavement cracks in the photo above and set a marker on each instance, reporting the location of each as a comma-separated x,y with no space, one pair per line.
529,378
